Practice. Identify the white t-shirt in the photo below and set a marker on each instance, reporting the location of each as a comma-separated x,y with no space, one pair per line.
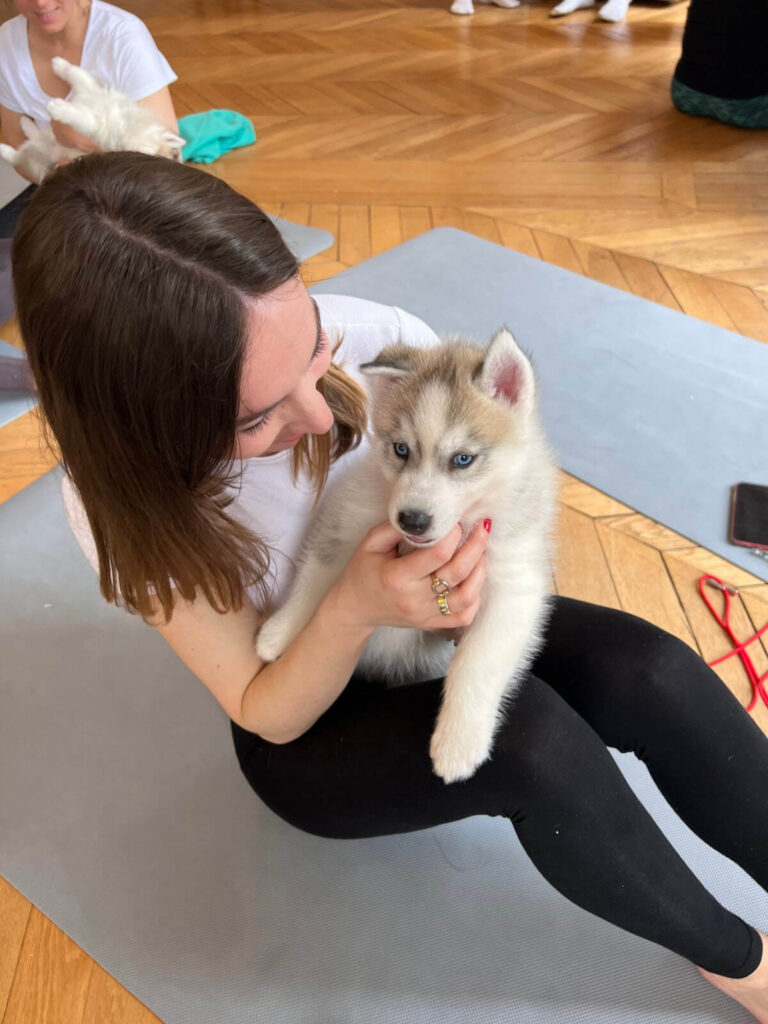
268,502
118,51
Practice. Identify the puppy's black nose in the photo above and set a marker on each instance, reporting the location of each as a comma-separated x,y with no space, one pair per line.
413,521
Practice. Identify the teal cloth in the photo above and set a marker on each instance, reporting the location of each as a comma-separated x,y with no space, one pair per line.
748,113
213,133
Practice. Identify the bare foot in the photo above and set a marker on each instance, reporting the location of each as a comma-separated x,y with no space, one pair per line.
752,991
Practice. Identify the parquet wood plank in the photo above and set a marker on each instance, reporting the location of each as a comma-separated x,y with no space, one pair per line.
644,279
414,220
313,272
297,212
678,184
747,312
50,985
580,568
642,582
558,250
696,297
599,264
386,229
448,217
704,562
23,457
482,225
648,531
583,498
15,910
354,234
517,237
326,217
109,1003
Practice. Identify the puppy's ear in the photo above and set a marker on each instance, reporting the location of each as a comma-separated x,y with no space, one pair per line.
394,361
391,365
507,374
172,139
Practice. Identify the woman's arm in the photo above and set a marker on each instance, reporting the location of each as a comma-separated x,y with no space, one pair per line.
161,105
281,700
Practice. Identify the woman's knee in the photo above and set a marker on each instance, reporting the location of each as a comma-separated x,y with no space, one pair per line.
540,740
608,657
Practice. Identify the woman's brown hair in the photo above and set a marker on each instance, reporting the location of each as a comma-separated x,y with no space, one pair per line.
131,275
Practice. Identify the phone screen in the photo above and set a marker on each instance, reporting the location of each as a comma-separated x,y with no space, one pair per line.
749,516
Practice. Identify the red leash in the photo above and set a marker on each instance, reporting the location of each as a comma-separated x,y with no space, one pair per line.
757,682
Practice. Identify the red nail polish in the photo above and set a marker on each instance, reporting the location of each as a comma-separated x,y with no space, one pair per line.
487,525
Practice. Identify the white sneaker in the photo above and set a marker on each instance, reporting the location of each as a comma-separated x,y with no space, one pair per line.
501,3
462,7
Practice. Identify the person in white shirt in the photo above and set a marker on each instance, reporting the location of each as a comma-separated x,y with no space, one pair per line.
200,399
114,45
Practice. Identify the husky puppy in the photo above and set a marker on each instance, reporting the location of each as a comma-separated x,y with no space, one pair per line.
104,115
456,439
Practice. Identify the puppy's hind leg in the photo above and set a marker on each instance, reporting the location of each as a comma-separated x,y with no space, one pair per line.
82,81
10,154
75,115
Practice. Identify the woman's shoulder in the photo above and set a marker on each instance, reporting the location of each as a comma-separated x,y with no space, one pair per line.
78,521
352,318
112,25
11,35
108,17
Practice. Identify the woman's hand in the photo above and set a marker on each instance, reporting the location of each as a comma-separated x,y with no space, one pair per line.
379,589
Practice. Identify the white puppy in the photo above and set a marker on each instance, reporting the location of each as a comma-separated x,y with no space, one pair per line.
104,115
456,440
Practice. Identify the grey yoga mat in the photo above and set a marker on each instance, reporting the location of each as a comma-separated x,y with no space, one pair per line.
660,410
302,241
124,818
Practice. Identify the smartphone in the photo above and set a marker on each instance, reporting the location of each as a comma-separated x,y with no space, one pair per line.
749,516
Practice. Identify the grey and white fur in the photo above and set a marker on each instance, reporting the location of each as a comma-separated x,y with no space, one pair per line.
456,439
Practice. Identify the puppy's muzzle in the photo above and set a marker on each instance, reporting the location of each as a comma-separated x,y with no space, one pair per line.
414,522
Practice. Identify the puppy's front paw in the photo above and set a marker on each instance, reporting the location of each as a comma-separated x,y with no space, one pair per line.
60,110
60,67
274,636
459,745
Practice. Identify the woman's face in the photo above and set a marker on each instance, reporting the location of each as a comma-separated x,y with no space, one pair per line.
50,16
286,354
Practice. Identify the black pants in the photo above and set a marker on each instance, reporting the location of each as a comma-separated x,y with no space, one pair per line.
604,678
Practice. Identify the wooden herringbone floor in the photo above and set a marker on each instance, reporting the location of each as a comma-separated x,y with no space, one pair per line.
379,120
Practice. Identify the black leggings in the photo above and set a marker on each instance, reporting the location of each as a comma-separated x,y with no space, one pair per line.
604,678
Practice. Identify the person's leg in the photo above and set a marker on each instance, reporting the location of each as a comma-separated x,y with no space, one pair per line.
722,72
614,10
569,6
645,691
10,213
363,770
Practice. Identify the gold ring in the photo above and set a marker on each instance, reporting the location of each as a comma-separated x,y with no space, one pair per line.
437,583
442,604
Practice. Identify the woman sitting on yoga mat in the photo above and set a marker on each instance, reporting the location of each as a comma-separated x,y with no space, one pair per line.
114,45
187,378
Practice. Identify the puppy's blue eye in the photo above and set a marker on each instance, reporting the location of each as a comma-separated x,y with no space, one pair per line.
461,460
401,449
